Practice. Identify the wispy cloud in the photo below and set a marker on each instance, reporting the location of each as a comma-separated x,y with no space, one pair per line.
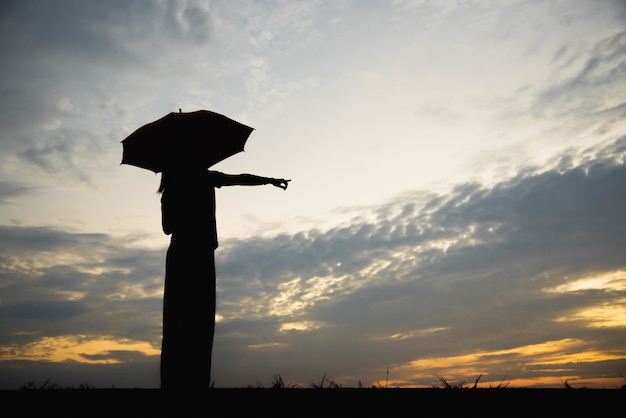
591,90
10,189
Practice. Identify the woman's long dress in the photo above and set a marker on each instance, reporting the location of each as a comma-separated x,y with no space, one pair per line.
188,213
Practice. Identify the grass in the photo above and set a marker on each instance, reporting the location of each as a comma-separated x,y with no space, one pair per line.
446,385
48,386
277,400
326,383
278,382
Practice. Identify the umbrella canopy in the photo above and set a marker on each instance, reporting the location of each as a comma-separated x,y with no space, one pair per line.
195,139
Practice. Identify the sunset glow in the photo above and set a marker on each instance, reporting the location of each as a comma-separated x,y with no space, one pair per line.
81,349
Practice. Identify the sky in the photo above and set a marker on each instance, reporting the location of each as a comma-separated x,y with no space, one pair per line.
456,205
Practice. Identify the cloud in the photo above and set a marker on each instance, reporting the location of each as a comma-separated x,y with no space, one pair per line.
119,356
9,190
97,32
53,275
595,87
141,373
475,264
424,276
58,85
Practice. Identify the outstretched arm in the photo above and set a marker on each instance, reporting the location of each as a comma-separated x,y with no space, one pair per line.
252,180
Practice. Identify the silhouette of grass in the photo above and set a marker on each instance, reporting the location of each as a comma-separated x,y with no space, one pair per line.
326,383
35,399
447,385
278,382
48,386
225,402
568,386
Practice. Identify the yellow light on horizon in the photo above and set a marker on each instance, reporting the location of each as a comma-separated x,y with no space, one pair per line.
557,354
78,348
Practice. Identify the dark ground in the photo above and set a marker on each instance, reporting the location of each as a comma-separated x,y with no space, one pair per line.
315,402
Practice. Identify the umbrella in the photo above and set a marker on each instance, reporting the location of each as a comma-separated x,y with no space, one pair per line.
194,139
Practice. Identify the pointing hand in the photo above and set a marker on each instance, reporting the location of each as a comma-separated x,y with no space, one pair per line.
282,183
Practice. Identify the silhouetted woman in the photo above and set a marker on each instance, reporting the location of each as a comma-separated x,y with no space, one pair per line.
188,214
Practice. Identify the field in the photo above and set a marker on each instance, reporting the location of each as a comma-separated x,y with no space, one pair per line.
294,402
